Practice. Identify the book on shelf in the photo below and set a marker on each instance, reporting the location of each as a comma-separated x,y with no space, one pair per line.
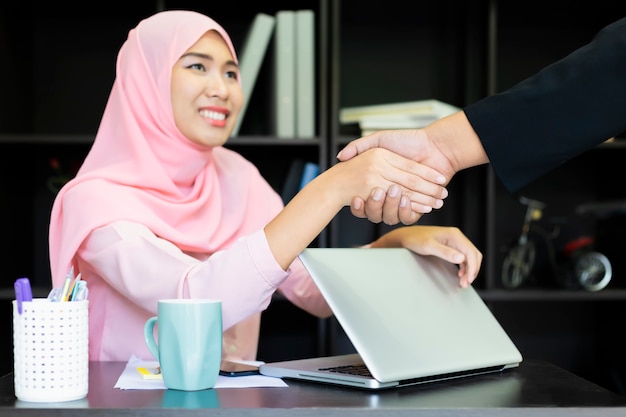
253,51
291,186
294,74
299,174
372,124
284,75
309,171
433,109
305,74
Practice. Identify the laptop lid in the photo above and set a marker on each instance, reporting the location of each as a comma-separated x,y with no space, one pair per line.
406,316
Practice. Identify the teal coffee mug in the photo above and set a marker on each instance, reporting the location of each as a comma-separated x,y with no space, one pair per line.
189,347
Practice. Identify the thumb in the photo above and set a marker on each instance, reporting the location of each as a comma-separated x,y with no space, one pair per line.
358,146
348,152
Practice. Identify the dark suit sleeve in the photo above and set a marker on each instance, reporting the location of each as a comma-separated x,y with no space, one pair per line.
560,112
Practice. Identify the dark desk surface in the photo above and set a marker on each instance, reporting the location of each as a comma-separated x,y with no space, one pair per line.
535,388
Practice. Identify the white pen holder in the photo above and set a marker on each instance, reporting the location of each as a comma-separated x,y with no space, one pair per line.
51,350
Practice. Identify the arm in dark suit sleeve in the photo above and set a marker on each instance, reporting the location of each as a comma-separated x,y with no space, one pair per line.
565,109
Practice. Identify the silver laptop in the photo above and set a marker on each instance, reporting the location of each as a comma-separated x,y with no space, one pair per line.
406,316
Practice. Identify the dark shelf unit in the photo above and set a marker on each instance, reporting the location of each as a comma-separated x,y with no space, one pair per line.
459,52
574,328
451,50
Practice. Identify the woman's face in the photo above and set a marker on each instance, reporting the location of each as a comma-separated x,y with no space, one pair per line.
206,94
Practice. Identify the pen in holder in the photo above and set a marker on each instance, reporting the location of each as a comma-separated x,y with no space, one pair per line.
50,350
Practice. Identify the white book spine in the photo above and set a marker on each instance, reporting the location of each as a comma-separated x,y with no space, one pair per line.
430,107
285,74
253,51
305,74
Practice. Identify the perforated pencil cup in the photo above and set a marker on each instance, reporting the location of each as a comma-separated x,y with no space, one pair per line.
50,350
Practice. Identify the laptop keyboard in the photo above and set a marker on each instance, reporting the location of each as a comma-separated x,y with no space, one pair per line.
359,369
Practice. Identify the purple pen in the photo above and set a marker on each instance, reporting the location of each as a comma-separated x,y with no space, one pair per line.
23,292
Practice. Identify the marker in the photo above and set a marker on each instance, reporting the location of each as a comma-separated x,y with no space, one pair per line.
65,291
79,293
55,294
70,292
23,292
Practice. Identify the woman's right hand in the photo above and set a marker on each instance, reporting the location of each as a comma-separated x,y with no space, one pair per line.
378,171
447,145
389,204
313,207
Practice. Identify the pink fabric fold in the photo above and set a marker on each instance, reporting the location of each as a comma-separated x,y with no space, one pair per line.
141,168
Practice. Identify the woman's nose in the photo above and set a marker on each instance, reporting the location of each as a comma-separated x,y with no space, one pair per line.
216,87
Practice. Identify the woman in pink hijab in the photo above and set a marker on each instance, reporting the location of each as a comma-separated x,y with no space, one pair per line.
160,209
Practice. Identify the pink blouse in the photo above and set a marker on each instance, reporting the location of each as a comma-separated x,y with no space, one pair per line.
129,267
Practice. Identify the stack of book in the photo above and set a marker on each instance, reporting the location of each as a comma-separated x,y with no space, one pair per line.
390,116
292,35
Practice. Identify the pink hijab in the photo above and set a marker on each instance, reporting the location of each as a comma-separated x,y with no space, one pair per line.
141,168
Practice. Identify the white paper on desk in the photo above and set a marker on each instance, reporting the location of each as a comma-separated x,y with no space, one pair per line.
130,378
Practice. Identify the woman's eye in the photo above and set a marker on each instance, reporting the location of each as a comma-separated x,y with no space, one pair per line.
232,74
198,67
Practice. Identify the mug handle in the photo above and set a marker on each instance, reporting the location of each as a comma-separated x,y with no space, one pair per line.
148,334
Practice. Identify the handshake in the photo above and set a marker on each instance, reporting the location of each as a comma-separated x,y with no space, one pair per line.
434,154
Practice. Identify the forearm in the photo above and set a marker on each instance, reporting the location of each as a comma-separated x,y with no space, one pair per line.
392,239
303,218
563,110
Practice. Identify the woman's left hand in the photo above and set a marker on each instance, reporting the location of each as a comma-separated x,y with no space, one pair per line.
448,243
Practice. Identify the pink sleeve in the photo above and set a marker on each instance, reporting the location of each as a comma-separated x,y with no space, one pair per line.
144,268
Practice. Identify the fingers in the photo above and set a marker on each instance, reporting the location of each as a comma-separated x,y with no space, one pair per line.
397,208
402,189
469,265
469,260
358,146
391,208
357,208
410,213
422,184
424,171
469,268
451,244
349,151
375,211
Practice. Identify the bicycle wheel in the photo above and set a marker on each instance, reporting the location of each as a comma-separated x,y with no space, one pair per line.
518,264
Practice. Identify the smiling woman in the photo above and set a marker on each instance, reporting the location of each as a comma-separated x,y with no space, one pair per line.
160,209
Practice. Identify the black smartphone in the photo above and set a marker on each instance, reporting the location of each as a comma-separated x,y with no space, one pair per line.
228,368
